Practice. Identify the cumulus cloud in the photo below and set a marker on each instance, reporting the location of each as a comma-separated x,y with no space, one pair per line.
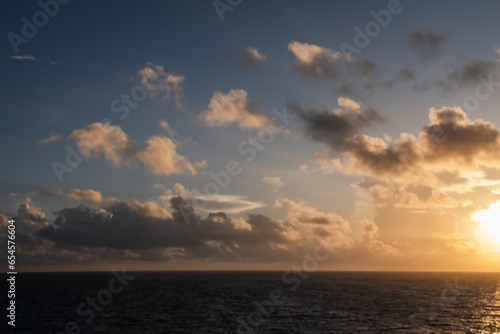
23,57
251,58
161,85
50,139
233,107
29,219
335,127
427,43
110,141
122,226
151,231
178,190
451,141
161,157
151,209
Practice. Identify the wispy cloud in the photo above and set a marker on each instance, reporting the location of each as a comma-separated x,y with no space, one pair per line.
50,139
23,57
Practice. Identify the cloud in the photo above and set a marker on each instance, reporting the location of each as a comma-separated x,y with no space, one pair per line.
28,220
151,209
159,157
178,190
23,57
473,73
427,43
52,191
251,58
316,61
87,195
226,203
470,73
121,226
234,107
50,139
211,203
373,244
302,213
165,126
450,142
109,140
400,196
335,127
149,231
161,85
273,180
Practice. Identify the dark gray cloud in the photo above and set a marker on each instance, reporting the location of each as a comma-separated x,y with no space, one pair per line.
471,72
467,75
335,127
427,43
122,226
251,58
132,232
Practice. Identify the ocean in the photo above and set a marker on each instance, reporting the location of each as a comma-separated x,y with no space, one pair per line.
256,302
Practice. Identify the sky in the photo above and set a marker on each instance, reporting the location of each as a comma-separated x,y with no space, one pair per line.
250,135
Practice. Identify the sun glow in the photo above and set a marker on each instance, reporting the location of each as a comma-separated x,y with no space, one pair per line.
489,225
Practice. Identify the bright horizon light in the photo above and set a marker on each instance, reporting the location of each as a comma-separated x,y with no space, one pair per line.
489,225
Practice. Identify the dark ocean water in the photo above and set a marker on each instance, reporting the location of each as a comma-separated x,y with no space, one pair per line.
258,302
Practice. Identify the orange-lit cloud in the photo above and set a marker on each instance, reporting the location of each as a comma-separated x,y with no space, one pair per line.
234,107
